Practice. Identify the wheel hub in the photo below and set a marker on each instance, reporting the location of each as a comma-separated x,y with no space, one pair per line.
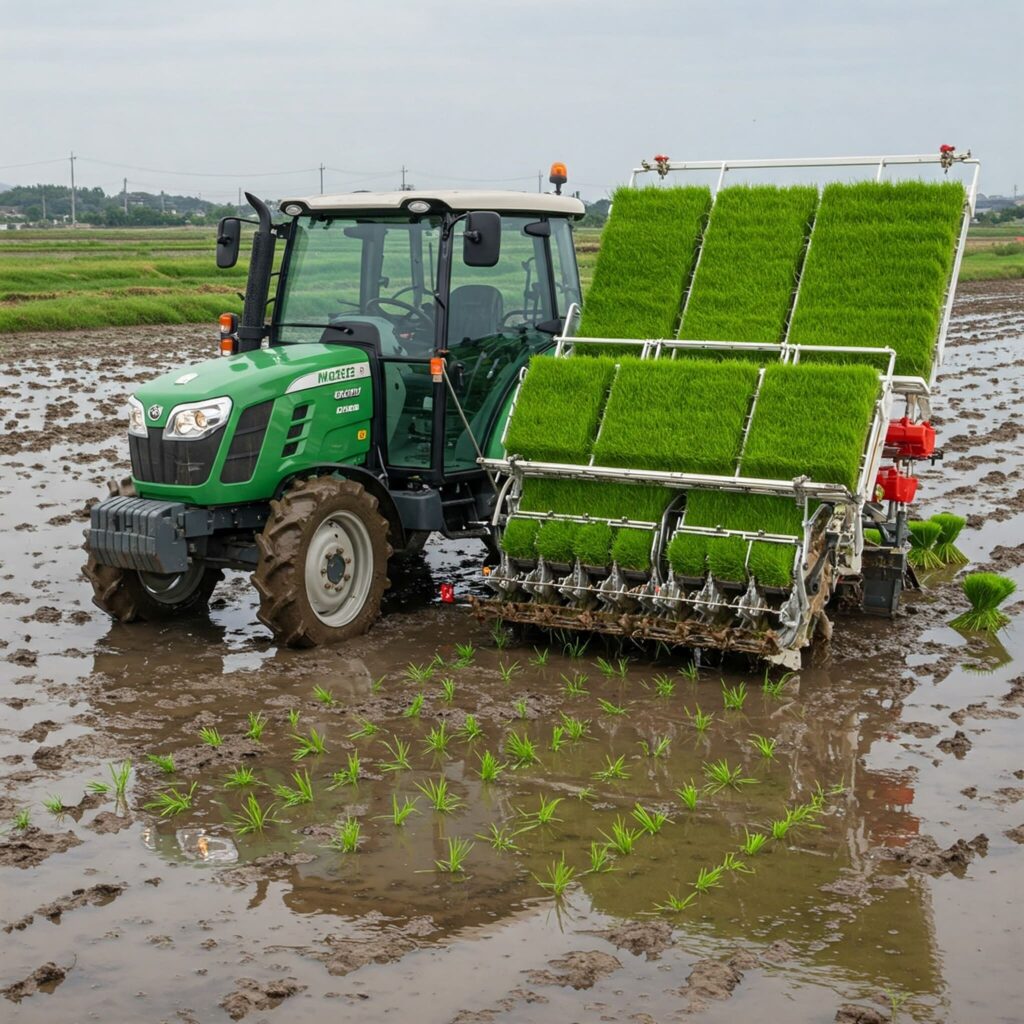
339,568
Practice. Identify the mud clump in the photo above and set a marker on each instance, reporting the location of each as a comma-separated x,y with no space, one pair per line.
96,895
922,730
1016,834
715,979
47,978
579,969
260,867
924,854
345,955
252,995
958,744
107,822
650,938
850,1013
31,847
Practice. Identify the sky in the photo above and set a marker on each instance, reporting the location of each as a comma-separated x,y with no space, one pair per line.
209,96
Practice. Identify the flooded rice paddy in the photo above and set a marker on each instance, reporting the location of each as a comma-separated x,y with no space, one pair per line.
899,888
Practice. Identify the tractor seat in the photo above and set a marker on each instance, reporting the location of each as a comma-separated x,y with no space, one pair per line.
474,311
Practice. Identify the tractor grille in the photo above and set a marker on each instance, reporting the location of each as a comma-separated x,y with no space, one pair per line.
161,461
240,463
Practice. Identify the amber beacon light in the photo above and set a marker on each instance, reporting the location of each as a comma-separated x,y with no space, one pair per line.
558,176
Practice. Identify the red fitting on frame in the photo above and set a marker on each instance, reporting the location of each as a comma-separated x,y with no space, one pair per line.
892,485
912,440
447,593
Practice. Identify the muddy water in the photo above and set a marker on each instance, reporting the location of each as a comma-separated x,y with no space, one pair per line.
910,728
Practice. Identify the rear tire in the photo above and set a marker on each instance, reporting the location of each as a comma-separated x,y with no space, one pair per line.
129,595
322,568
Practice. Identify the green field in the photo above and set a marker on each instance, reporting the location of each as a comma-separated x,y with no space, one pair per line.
63,279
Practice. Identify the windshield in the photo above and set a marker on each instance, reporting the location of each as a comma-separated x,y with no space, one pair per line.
382,271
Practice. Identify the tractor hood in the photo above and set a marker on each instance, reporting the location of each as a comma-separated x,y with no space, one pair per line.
252,377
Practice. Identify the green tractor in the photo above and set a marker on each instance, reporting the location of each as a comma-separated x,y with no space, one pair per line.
344,419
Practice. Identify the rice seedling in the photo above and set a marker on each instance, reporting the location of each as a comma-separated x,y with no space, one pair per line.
240,778
399,812
557,738
623,838
664,686
458,851
545,814
586,793
55,805
780,827
414,709
418,673
172,801
365,730
97,787
658,747
507,670
302,793
470,729
610,708
688,795
119,775
612,769
500,635
690,672
924,535
293,717
501,838
753,842
399,752
647,252
774,687
311,745
448,689
802,815
950,526
986,591
708,879
877,268
734,697
165,762
600,858
575,728
701,720
257,723
490,767
443,801
348,834
22,820
613,669
466,653
650,821
721,775
732,863
764,746
675,904
743,285
559,876
521,749
324,696
377,685
575,649
211,737
438,739
540,657
347,776
437,661
575,685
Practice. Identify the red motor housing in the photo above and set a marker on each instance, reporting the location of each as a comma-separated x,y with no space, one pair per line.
913,440
895,486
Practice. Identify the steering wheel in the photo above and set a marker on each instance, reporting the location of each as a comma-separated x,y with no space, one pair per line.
412,314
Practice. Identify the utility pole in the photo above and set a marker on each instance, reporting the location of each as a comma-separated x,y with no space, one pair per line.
124,195
405,187
321,179
540,178
162,197
239,199
73,219
43,193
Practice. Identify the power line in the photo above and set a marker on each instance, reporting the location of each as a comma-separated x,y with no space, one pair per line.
32,163
202,174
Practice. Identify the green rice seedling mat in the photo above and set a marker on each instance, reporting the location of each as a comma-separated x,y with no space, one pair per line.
879,263
647,253
743,285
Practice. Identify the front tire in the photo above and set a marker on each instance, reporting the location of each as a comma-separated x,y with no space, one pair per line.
322,567
129,595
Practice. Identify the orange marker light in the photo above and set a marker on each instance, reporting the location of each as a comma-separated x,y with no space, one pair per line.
558,170
228,346
437,369
228,322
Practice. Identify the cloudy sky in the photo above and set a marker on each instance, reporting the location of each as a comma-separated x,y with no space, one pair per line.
212,95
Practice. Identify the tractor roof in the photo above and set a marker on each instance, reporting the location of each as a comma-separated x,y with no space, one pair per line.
450,199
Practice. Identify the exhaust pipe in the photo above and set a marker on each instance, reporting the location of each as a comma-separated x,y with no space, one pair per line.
251,329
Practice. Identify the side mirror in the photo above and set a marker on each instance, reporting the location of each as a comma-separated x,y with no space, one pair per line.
229,234
481,240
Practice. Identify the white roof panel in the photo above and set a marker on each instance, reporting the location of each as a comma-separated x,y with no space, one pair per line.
452,199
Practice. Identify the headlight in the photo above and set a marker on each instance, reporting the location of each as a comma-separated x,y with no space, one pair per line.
136,418
198,419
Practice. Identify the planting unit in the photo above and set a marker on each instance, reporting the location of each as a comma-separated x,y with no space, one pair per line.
745,391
